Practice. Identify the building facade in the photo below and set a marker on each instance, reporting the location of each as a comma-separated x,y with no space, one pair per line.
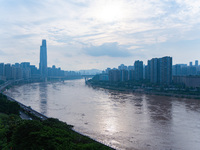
166,70
138,70
43,59
159,70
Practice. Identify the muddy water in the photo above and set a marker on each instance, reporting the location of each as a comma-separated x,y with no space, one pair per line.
119,119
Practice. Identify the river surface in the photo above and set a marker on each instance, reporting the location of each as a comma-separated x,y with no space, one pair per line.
119,119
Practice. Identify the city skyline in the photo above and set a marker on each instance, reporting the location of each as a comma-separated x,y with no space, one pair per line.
84,34
43,59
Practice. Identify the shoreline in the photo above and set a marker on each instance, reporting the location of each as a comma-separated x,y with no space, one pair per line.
38,114
142,91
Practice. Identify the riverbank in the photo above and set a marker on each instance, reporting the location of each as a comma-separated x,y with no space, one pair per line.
140,90
51,134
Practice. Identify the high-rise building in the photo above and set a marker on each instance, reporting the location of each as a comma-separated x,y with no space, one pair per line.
148,70
122,67
155,70
196,63
25,65
123,75
176,70
43,59
130,67
26,70
1,69
19,72
191,70
8,71
166,70
107,70
159,70
131,74
114,75
138,70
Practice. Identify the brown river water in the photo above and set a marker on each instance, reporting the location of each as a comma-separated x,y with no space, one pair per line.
119,119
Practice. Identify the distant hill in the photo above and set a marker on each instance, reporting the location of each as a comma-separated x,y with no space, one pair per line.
90,72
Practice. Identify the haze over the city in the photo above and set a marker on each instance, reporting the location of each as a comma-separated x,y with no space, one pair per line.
86,34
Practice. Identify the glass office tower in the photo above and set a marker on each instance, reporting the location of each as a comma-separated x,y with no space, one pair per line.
43,59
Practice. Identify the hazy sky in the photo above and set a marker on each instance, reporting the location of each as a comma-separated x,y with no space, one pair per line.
86,34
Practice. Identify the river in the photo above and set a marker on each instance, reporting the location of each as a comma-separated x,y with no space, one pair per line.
121,120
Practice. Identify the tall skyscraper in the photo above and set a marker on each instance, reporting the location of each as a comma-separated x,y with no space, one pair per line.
43,59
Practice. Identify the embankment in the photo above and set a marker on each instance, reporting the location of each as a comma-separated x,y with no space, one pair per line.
144,91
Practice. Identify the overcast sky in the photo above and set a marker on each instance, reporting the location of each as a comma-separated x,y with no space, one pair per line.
86,34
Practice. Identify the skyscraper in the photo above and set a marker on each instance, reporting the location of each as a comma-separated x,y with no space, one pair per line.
43,59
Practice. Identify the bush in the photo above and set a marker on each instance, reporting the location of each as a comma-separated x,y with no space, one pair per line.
56,136
8,107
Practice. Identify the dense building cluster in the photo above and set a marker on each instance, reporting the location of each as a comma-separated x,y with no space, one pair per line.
187,75
25,71
185,70
17,71
158,70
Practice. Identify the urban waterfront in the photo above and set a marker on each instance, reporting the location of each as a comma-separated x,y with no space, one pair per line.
119,119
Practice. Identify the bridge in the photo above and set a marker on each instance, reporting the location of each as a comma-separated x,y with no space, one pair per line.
62,78
87,76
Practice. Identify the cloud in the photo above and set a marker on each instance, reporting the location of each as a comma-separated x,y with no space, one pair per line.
3,53
120,28
23,36
108,49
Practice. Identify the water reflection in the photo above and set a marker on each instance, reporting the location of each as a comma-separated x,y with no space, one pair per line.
43,97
